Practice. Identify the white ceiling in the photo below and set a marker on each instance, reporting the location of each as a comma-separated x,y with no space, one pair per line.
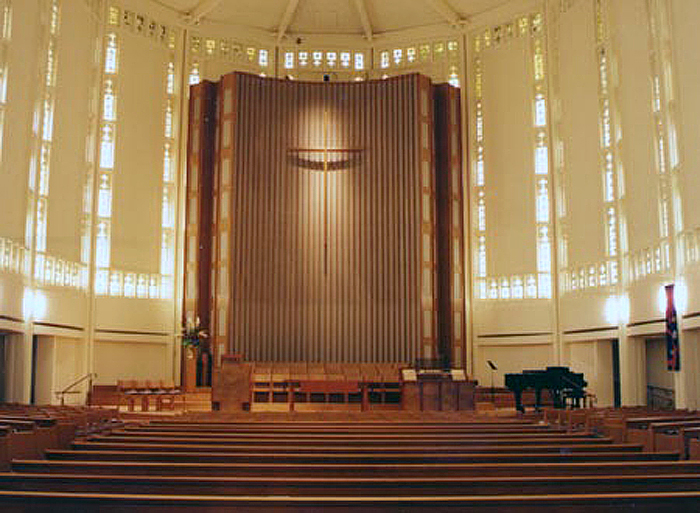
331,16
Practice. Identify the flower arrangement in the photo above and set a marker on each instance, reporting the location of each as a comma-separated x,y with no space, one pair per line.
193,334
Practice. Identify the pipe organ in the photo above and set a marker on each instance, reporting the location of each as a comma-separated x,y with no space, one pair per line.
324,220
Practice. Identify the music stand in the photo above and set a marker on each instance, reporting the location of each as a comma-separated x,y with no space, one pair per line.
493,390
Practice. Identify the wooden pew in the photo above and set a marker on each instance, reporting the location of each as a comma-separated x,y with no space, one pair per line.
341,449
5,458
45,429
36,429
358,433
669,436
349,486
394,418
637,430
335,426
334,469
610,421
367,459
22,440
694,449
63,423
348,466
618,425
16,501
691,441
385,441
295,431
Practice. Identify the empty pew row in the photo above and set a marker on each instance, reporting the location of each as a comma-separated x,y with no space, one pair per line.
5,457
661,433
334,450
319,443
359,444
346,434
694,449
287,426
349,486
21,439
607,421
27,431
77,419
67,422
481,439
655,430
646,502
423,470
344,430
389,446
368,459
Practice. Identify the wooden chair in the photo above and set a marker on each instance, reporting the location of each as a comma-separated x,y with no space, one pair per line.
167,394
128,392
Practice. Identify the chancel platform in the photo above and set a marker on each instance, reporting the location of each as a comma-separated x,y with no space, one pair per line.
297,386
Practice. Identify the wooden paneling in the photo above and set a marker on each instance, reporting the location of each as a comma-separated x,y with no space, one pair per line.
222,214
450,230
428,257
198,225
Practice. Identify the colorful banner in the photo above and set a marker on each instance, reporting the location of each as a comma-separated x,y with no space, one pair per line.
673,355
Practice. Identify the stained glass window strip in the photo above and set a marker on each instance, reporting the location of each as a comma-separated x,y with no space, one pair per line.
246,57
167,246
48,270
114,282
537,285
108,131
439,59
345,60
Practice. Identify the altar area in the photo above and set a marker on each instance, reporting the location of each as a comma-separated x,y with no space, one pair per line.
297,386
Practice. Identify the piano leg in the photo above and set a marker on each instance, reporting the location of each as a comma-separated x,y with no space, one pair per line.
519,400
557,398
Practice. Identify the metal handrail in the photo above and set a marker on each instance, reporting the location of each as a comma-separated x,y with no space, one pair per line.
660,397
67,390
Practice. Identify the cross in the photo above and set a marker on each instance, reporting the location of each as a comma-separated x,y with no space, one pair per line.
353,156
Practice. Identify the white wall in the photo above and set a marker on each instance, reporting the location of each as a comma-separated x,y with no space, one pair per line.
594,359
73,122
657,375
510,354
45,369
74,145
119,359
137,190
579,127
23,64
685,38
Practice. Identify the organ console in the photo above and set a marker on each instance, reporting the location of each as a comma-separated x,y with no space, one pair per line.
560,381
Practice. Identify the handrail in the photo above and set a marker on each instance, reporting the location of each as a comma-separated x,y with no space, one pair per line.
663,389
62,393
660,397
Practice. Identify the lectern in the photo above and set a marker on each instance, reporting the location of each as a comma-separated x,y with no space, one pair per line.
436,390
230,389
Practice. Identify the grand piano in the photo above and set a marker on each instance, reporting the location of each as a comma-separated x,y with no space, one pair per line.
562,384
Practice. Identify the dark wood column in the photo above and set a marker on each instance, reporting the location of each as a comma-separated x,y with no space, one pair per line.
199,210
450,230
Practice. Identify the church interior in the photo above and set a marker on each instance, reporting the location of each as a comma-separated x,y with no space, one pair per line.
308,236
